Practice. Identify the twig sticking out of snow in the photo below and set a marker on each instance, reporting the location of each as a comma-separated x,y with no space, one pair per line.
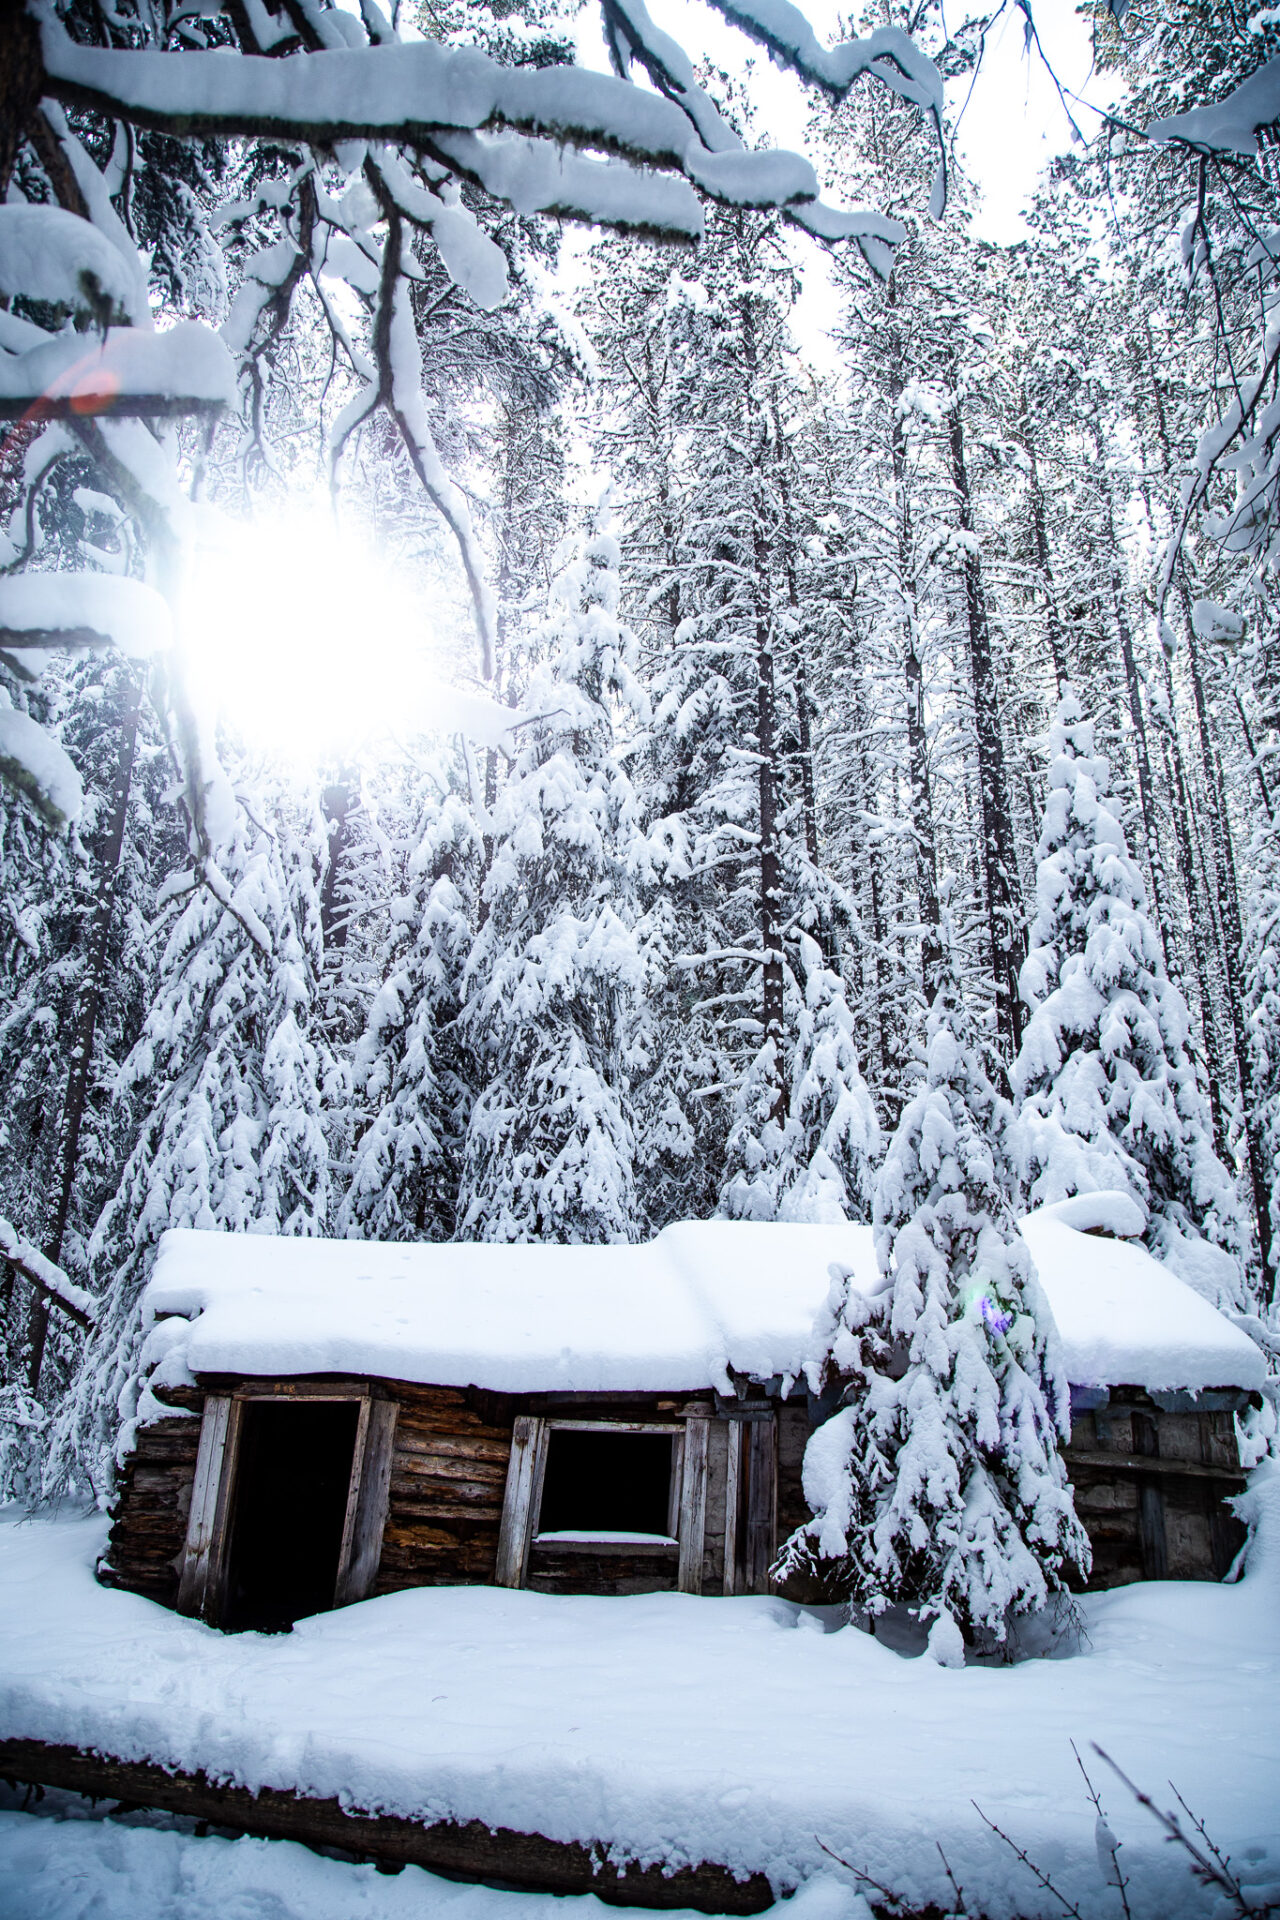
1107,1844
51,1281
955,1884
1209,1864
1029,1863
887,1893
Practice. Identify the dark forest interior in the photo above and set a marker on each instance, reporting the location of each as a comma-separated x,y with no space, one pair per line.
292,1482
607,1483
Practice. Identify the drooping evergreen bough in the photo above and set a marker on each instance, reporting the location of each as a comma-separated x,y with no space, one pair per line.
555,967
1105,1085
939,1484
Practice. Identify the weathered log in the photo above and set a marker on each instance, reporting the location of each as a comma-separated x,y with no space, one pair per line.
466,1848
1153,1463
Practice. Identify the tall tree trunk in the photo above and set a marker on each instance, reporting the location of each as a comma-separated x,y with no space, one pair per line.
1175,777
1233,942
1044,565
1230,928
81,1067
770,860
1137,715
921,789
999,858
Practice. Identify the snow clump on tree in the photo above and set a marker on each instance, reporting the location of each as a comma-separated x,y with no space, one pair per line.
939,1484
1106,1090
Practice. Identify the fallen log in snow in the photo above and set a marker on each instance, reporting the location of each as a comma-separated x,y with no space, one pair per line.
469,1849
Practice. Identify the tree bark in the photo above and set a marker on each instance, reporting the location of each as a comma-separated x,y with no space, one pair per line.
921,788
1004,918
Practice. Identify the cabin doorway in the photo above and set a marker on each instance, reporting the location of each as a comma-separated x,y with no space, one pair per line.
292,1485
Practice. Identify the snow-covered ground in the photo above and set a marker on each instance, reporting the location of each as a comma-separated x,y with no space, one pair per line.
667,1726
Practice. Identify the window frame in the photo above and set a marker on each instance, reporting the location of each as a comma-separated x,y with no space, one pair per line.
522,1501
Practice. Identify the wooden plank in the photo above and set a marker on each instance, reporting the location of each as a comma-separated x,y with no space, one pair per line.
347,1548
733,1506
199,1583
303,1390
607,1424
761,1444
1152,1463
521,1500
468,1849
693,1504
367,1507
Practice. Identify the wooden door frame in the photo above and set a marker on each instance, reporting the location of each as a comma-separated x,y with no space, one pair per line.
522,1499
750,1525
202,1583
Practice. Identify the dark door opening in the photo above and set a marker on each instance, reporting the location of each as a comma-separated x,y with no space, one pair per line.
293,1477
607,1483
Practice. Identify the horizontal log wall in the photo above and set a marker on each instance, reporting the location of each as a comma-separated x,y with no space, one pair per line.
149,1531
1150,1488
448,1471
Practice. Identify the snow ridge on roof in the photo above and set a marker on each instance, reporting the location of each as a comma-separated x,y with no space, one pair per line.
704,1300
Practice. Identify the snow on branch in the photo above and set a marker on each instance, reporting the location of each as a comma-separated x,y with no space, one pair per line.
83,610
537,176
33,763
409,93
131,373
1232,126
51,1281
49,254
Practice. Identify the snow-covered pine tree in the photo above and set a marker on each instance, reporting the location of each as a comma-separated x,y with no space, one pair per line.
548,1153
1106,1089
410,1071
939,1484
811,1158
228,1076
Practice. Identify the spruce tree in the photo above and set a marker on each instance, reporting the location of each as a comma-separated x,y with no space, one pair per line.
548,1152
939,1484
227,1075
810,1156
410,1071
1105,1084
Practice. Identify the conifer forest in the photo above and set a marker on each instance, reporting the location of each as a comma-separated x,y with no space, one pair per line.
568,666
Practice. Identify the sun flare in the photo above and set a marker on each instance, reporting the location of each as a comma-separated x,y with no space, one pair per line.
305,639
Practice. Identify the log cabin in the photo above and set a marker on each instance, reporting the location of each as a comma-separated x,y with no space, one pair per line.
325,1421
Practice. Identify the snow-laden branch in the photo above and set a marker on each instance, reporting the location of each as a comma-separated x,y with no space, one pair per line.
130,373
49,1280
1233,125
39,768
407,94
83,610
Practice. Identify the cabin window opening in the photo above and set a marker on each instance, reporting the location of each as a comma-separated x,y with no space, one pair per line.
608,1485
292,1484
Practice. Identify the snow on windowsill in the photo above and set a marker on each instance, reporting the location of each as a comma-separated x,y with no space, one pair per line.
576,1537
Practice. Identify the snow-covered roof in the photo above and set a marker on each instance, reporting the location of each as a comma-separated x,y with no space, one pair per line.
702,1300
